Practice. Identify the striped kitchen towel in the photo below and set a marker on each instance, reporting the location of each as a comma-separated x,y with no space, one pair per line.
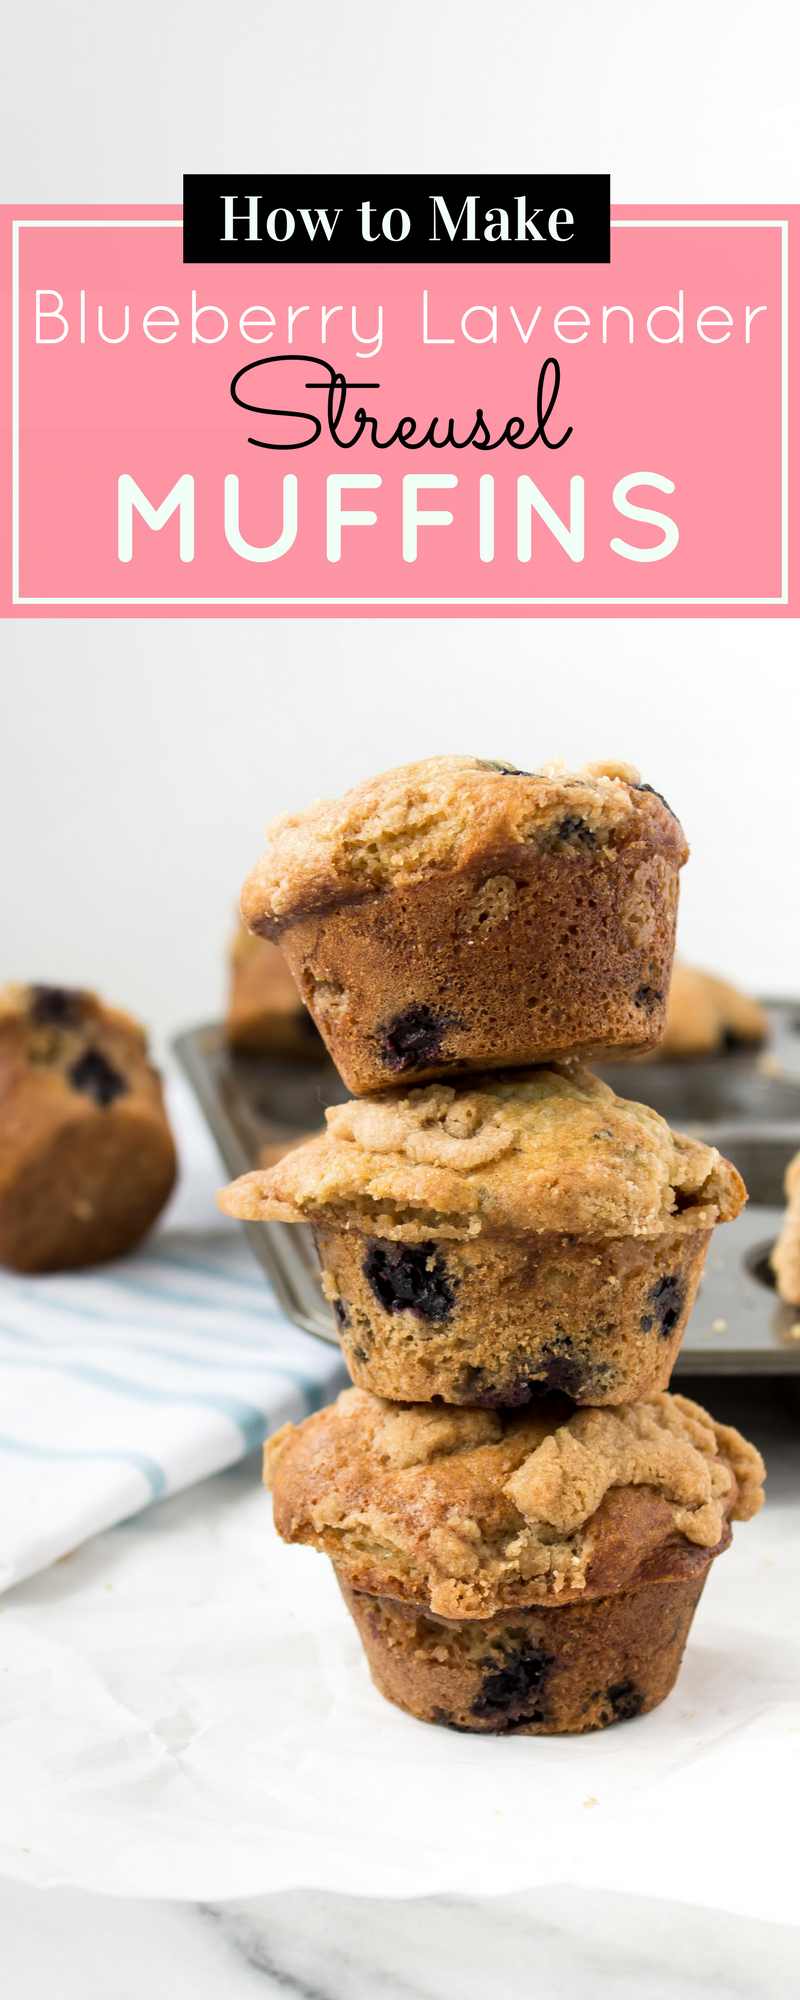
132,1380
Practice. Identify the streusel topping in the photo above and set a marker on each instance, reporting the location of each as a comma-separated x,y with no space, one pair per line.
543,1150
473,1509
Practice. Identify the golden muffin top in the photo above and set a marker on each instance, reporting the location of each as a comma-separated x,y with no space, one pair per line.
448,813
468,1511
549,1149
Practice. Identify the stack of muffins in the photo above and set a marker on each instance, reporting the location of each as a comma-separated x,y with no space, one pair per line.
520,1517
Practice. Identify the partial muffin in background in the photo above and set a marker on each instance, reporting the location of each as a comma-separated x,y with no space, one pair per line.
459,914
87,1158
706,1016
520,1573
516,1232
785,1258
266,1015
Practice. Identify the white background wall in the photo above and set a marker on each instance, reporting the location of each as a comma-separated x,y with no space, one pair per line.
140,760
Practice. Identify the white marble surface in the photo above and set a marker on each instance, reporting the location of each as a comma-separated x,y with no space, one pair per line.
553,1944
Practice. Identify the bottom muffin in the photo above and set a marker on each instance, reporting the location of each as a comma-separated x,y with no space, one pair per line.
551,1670
529,1571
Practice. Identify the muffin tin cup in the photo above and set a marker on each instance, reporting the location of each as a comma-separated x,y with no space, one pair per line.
494,1320
490,971
544,1671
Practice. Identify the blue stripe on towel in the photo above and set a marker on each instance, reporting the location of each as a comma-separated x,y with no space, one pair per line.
148,1350
242,1357
78,1308
147,1289
150,1470
249,1421
214,1270
255,1359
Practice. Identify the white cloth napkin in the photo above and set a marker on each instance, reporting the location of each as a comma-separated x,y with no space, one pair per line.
125,1383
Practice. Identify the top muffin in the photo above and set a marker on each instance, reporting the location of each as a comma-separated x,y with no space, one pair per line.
461,914
441,815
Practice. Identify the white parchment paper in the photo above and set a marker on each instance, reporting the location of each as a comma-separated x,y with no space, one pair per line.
185,1712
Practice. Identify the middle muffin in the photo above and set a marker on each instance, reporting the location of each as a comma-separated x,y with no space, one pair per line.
523,1230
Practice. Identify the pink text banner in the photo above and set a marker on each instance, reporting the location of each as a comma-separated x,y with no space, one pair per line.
298,440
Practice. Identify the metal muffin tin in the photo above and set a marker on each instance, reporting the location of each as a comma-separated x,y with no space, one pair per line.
747,1105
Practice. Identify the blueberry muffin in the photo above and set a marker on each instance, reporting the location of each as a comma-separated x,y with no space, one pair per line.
785,1258
460,914
482,1241
266,1015
87,1158
519,1573
706,1017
